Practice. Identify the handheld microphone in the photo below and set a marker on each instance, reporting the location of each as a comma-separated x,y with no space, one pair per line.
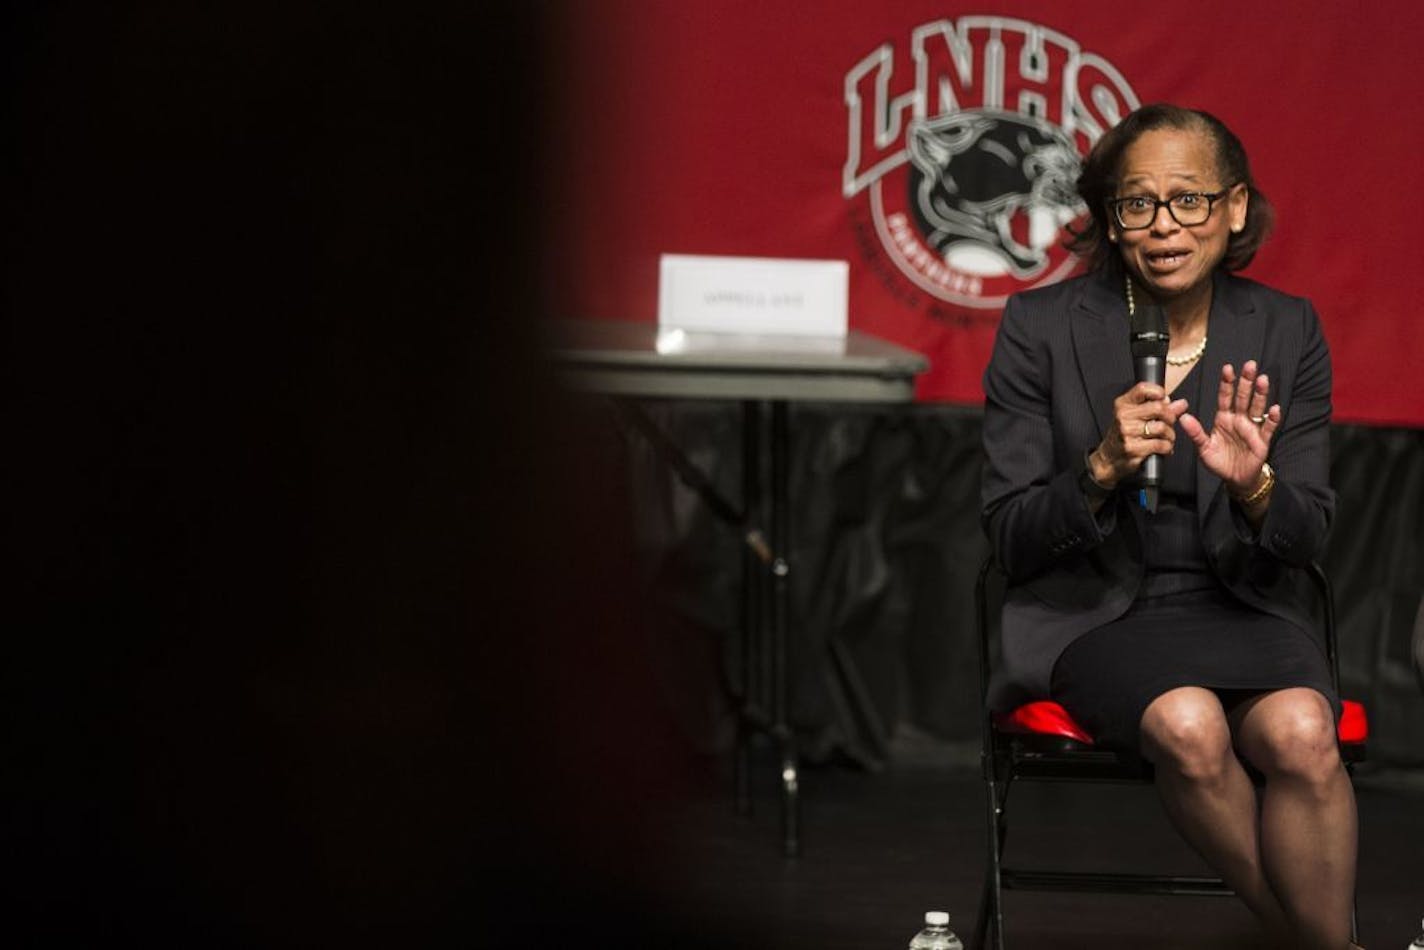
1149,340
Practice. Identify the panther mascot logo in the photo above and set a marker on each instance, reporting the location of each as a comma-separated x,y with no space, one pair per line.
991,192
963,149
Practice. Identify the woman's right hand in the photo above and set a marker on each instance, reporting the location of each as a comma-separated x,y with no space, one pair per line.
1144,423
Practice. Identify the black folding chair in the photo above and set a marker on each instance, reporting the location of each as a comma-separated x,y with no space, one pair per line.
1040,742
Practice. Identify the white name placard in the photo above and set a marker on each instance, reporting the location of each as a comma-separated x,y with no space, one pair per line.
753,295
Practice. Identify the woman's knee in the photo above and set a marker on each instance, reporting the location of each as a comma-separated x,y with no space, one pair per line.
1291,734
1186,730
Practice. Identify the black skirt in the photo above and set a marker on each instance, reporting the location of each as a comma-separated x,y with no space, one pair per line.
1107,678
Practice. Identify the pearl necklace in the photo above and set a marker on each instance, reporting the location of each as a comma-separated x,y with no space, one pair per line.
1186,360
1189,358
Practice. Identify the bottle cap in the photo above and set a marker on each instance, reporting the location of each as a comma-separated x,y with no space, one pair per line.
937,918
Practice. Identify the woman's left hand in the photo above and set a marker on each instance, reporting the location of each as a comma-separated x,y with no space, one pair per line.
1240,438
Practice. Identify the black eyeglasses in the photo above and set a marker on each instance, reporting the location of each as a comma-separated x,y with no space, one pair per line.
1189,208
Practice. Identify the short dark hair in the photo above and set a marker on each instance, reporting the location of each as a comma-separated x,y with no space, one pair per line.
1098,182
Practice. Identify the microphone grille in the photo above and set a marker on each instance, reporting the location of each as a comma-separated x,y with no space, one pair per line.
1149,318
1149,336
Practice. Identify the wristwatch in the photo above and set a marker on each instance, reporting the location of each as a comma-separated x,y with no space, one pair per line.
1268,482
1087,484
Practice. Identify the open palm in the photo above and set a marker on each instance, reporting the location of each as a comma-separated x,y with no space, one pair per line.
1240,438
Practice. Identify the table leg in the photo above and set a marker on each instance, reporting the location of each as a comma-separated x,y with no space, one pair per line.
764,705
750,718
781,593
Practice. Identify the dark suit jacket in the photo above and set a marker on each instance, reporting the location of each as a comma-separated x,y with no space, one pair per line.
1060,359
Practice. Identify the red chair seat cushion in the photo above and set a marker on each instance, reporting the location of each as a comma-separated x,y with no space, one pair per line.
1042,718
1046,718
1354,725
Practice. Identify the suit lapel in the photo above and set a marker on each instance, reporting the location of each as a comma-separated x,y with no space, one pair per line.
1100,329
1235,334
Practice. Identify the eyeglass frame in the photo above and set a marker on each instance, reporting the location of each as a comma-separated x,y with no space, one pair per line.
1212,197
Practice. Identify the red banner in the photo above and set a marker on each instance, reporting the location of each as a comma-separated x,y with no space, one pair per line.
934,148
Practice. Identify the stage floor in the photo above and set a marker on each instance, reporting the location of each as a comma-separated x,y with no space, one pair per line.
881,849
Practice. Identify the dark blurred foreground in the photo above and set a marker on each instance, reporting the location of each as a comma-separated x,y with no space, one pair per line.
324,635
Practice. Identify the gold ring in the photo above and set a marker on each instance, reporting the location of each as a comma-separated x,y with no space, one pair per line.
1146,432
1259,420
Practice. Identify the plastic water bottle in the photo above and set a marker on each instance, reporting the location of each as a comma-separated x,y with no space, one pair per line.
1418,943
936,935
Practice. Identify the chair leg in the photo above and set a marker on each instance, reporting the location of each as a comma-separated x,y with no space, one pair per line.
991,912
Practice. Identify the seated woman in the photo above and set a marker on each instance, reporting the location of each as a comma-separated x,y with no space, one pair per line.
1183,634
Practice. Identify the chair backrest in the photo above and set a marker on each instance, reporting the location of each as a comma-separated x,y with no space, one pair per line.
985,622
1418,644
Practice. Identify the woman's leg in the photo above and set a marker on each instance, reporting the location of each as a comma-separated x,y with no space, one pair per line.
1208,795
1308,822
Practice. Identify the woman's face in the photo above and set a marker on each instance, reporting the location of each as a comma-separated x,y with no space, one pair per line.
1166,257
